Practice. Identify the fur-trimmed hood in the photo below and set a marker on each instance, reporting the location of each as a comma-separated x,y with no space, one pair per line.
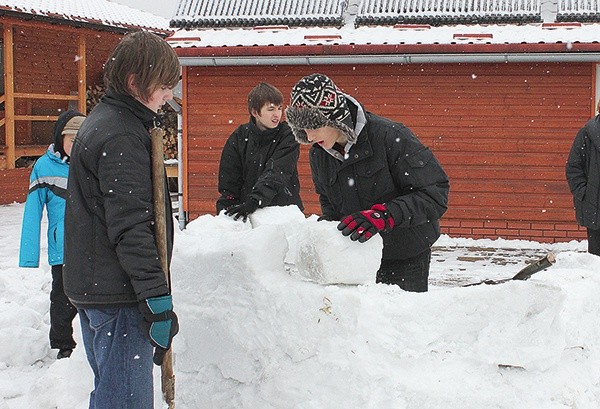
317,102
301,118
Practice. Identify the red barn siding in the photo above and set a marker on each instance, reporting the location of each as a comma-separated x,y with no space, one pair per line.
501,131
45,63
14,184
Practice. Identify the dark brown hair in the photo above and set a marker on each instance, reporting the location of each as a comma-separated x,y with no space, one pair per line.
149,58
262,94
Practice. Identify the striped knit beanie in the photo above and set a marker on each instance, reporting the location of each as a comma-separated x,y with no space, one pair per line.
317,102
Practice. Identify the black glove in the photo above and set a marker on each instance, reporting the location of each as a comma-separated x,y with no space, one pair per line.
242,210
160,324
363,225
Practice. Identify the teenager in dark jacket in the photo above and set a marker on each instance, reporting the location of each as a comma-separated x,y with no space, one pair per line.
48,188
374,175
112,270
583,176
258,166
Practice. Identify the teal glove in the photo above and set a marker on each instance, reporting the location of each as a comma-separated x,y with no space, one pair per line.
160,324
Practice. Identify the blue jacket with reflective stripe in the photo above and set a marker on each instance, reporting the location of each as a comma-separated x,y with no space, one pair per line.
47,187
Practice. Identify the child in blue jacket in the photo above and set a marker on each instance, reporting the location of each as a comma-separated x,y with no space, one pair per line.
48,187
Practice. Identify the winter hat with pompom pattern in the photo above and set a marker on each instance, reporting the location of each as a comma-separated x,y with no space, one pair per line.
317,102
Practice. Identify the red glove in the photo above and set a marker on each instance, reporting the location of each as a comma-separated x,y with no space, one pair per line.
363,225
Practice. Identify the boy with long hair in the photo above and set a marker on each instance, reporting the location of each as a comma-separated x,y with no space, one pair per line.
112,270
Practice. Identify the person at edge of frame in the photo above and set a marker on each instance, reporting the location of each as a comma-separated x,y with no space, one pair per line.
583,176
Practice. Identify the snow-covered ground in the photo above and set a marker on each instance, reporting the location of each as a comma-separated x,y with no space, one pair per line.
262,327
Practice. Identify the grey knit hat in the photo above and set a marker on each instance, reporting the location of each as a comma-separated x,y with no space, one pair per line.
317,102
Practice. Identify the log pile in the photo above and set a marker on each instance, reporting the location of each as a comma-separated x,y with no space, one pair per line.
167,114
169,124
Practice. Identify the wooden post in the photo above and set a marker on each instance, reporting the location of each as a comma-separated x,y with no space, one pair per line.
160,232
81,76
9,93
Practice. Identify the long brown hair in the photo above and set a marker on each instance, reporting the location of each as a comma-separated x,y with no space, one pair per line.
149,58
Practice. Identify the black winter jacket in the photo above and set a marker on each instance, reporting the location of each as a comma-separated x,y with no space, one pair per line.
386,165
111,258
261,165
583,174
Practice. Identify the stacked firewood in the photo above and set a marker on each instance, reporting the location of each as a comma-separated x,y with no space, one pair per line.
167,114
169,124
93,95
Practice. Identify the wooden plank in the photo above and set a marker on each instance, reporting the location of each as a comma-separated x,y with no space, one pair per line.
81,75
31,150
37,118
184,158
506,186
171,170
499,158
46,96
502,200
9,106
524,214
541,174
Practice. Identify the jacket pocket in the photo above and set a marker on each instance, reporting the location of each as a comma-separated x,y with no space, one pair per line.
376,183
333,190
417,173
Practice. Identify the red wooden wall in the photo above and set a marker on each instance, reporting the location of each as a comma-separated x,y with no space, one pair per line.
14,184
501,131
45,61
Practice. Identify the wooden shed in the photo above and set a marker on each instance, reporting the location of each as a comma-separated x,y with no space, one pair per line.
497,90
51,53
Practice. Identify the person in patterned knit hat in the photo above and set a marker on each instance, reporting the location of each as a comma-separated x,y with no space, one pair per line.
374,176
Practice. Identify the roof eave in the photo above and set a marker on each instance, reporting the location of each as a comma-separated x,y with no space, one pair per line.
354,49
80,23
399,53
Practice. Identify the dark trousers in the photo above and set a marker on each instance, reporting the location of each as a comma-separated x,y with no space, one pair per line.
410,274
62,313
593,241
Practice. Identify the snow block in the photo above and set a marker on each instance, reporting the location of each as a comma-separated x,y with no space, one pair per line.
325,256
289,218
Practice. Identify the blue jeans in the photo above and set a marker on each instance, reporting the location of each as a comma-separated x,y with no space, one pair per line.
120,356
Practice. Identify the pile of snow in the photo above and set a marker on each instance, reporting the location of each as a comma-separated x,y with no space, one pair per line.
259,330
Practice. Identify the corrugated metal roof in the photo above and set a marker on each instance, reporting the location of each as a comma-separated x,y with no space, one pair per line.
248,13
578,10
350,39
534,33
97,12
440,12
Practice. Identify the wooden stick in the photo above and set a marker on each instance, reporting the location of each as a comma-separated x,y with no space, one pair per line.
160,232
535,267
525,273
